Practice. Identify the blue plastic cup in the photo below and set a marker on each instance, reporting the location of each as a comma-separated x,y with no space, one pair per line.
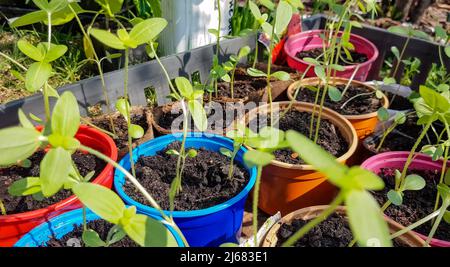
63,224
206,227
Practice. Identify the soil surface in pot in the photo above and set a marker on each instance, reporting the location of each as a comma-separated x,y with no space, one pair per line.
330,138
356,57
333,232
120,125
85,163
220,116
241,89
405,135
363,104
416,204
73,238
205,180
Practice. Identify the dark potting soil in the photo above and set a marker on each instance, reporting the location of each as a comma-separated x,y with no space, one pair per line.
316,52
416,204
333,232
330,138
85,163
405,135
230,112
241,89
120,125
205,180
73,238
362,104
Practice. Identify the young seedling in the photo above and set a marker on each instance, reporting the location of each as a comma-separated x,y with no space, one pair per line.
58,171
274,32
364,215
383,115
232,64
142,33
430,107
265,142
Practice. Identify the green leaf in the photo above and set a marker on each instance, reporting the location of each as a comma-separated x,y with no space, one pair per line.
257,158
184,86
66,116
42,4
437,153
366,220
379,94
147,30
34,117
38,73
57,5
122,106
51,92
30,50
226,78
17,144
440,32
434,99
24,121
89,176
283,17
420,34
25,187
30,18
383,114
267,28
136,131
256,73
364,179
395,197
282,75
192,153
117,234
244,51
198,114
337,67
172,152
447,177
444,192
148,232
111,6
318,157
447,50
399,30
213,32
254,9
400,118
107,39
55,52
268,4
92,239
54,170
226,152
320,72
396,52
389,80
334,94
101,200
311,60
414,182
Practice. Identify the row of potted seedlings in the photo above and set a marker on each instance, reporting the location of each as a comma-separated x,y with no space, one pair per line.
195,177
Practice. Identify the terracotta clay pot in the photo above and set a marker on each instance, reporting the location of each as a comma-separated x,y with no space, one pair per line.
288,187
409,239
364,124
148,135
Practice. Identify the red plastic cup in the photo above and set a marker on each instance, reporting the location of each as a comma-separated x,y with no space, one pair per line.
14,226
308,40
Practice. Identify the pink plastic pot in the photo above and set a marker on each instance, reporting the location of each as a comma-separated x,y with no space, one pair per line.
14,226
397,160
311,39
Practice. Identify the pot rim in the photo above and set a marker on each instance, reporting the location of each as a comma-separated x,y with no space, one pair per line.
119,179
43,212
327,113
311,212
311,33
339,81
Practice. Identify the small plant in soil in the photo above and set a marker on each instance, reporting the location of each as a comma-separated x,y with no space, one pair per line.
439,78
58,171
354,183
232,64
274,32
142,33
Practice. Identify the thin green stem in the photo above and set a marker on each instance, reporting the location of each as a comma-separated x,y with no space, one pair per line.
136,183
255,205
166,74
385,134
84,218
128,115
442,211
415,225
232,82
13,61
49,37
98,128
311,224
46,102
444,166
255,60
269,66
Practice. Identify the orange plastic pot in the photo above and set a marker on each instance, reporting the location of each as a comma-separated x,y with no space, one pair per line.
364,124
408,239
287,187
14,226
